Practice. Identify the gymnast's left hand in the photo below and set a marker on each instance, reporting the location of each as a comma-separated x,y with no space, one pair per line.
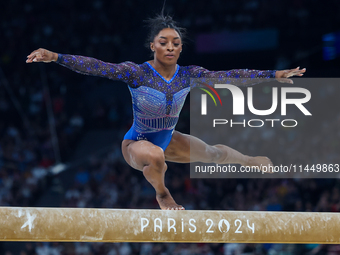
282,76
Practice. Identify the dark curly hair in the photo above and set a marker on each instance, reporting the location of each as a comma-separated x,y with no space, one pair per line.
160,22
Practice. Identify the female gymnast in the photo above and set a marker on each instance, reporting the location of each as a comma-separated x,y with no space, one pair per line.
158,88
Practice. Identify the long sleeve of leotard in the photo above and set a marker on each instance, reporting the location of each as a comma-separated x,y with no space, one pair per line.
126,71
238,77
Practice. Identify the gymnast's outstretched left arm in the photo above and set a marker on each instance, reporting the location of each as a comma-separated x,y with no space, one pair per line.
246,77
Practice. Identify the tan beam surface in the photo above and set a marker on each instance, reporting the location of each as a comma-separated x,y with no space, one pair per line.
106,225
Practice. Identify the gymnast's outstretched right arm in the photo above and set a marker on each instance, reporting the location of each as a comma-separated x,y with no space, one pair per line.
126,71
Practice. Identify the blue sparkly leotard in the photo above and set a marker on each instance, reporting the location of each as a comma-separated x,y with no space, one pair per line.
156,101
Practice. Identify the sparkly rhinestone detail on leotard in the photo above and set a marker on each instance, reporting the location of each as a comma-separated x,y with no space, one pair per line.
156,101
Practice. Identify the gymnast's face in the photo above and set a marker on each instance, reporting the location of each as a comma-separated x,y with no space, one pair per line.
167,46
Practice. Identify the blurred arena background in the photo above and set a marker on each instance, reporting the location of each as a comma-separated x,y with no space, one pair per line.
60,132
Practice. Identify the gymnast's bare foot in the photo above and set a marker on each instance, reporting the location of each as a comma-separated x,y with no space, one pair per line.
166,202
263,163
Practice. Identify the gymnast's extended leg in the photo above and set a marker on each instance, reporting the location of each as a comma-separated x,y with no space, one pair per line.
179,151
149,158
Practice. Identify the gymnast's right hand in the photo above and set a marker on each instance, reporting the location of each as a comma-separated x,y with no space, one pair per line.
42,55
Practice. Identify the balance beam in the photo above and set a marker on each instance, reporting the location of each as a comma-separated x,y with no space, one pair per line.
119,225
